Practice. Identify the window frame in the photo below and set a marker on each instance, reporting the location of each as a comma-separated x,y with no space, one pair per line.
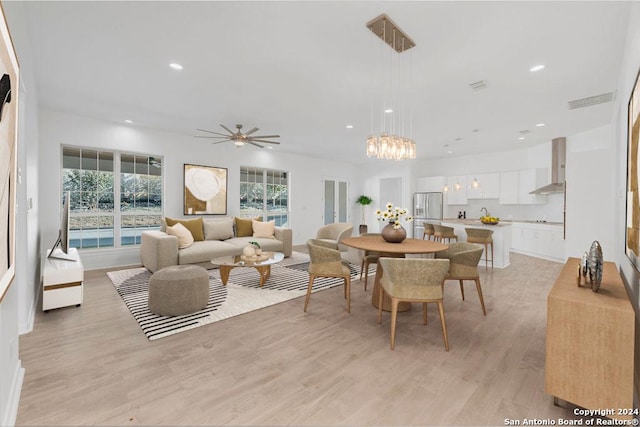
117,213
264,212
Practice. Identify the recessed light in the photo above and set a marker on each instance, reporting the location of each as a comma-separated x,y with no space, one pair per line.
270,147
540,125
128,121
388,110
536,68
449,152
176,66
349,126
521,138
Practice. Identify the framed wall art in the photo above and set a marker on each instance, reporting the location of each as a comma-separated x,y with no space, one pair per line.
633,178
9,75
205,190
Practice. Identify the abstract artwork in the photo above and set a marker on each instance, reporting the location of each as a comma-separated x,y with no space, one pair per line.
633,197
8,150
205,190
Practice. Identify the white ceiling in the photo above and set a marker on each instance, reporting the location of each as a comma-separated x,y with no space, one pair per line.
305,69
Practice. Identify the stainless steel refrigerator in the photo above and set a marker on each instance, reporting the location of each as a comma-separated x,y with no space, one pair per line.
427,207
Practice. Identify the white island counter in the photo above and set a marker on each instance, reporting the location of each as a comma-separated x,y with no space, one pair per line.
501,238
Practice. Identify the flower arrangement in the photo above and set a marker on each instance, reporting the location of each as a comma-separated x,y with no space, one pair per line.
393,214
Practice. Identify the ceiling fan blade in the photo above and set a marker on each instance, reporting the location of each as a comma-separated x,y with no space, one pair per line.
227,129
218,142
265,136
202,136
215,133
251,131
262,140
253,143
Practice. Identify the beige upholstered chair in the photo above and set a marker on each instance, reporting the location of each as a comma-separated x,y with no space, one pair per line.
428,230
369,257
326,262
413,280
443,232
335,233
483,237
464,258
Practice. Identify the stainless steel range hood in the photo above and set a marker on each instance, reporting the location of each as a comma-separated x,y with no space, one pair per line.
558,162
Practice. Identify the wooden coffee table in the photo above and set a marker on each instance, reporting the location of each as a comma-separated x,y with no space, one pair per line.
263,265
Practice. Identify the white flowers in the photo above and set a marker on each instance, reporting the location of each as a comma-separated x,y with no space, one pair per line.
393,215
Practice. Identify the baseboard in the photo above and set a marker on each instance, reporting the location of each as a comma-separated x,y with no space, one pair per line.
535,255
13,401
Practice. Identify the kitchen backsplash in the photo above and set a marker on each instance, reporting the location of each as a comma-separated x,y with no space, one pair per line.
550,211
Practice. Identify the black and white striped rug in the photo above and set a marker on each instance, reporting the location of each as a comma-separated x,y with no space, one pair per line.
288,280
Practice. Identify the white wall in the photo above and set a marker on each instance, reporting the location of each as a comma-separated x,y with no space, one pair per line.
628,72
590,195
306,174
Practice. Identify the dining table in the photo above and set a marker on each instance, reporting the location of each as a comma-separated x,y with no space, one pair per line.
375,243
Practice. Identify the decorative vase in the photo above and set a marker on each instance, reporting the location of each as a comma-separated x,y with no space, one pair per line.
248,251
393,235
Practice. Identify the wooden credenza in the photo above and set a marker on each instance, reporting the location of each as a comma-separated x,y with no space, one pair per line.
590,342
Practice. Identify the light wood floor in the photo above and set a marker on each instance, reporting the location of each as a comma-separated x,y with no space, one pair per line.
279,366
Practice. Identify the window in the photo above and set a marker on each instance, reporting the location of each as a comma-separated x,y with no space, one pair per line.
264,193
98,181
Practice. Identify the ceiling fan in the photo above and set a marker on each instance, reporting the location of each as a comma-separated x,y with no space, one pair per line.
239,138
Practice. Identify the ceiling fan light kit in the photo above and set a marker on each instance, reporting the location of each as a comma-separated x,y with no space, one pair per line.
239,138
391,145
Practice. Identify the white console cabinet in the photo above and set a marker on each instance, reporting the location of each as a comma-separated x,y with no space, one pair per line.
62,281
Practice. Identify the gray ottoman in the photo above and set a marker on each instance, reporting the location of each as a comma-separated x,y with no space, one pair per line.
178,290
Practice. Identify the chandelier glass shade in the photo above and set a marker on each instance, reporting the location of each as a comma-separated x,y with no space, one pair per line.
391,143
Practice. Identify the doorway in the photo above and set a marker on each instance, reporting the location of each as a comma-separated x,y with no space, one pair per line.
336,195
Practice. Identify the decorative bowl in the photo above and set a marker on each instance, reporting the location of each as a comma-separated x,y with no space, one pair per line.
489,221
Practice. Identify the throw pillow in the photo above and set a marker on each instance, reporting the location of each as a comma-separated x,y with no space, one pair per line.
244,227
218,229
264,229
185,238
193,225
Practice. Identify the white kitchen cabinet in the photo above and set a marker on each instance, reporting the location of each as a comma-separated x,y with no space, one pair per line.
488,186
538,239
508,188
430,183
456,193
515,187
529,180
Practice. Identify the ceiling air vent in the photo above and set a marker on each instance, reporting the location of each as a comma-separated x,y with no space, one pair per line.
592,100
524,132
480,84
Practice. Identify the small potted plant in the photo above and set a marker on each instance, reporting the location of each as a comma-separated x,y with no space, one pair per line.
363,201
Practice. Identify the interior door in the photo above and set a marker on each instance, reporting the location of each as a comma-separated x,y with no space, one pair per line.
336,194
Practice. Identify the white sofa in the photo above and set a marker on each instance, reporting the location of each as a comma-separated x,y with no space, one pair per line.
159,249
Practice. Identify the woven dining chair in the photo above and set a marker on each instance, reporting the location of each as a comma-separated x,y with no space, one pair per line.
369,257
464,258
327,262
413,280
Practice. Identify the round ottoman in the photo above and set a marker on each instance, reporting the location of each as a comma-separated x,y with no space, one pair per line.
178,290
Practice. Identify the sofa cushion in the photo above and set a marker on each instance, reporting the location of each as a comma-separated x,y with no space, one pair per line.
264,229
205,251
193,225
185,238
218,228
244,227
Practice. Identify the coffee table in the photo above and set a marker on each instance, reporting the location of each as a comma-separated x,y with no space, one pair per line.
263,264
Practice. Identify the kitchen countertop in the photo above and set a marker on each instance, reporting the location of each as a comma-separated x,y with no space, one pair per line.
471,221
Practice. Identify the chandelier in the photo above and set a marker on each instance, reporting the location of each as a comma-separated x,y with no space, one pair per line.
389,144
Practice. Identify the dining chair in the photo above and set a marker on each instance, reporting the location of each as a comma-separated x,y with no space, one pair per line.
442,232
335,233
327,262
428,230
483,237
464,258
413,280
369,257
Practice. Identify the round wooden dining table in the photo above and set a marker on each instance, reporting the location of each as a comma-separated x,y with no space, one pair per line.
376,243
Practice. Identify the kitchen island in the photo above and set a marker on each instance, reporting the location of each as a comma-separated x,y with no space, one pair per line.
501,237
